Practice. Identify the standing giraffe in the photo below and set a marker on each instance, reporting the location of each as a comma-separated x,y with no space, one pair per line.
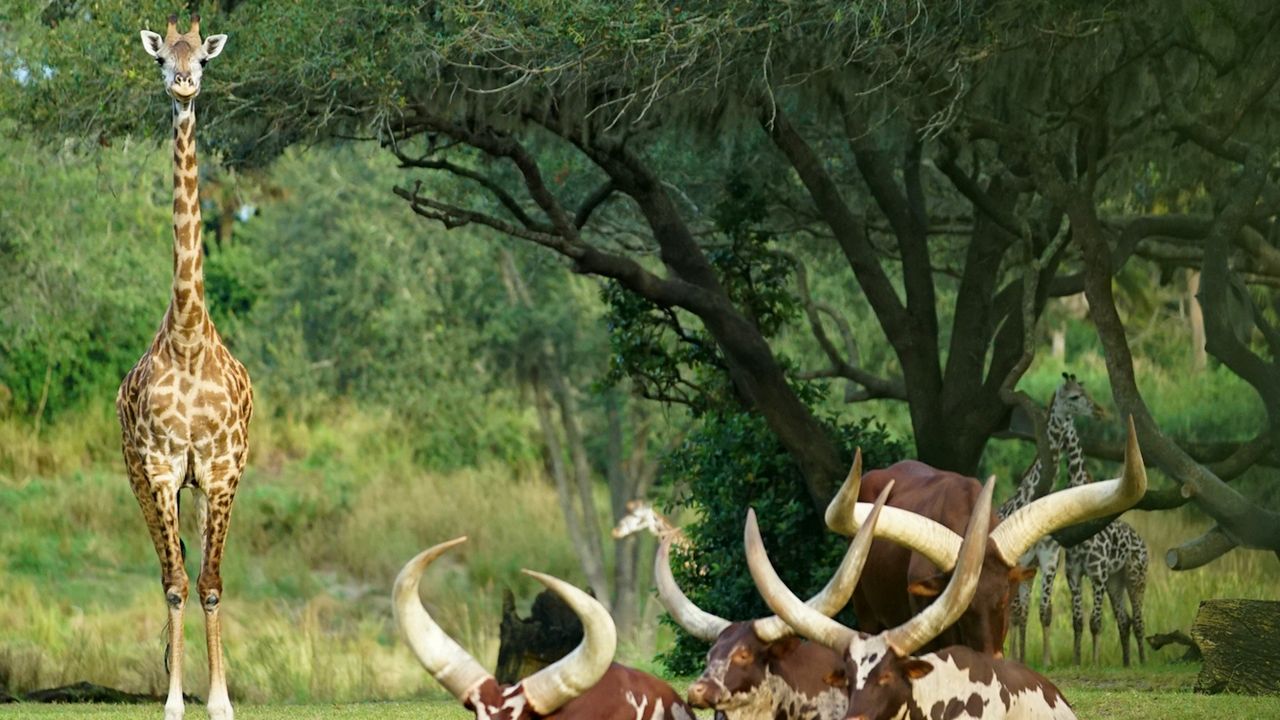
184,408
1115,561
1069,400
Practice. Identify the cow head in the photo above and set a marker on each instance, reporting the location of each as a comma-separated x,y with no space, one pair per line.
987,618
880,668
748,661
536,696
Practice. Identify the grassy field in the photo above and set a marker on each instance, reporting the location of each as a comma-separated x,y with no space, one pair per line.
325,518
1161,691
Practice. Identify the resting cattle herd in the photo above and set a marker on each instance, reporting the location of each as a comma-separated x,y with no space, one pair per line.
759,669
886,681
927,511
584,685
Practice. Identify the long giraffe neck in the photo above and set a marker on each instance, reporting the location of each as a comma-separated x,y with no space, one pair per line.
1027,487
1076,472
187,317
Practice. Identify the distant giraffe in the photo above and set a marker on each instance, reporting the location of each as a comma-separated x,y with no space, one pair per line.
1115,561
1069,400
184,408
641,516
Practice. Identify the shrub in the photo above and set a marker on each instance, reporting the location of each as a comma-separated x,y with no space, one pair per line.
733,462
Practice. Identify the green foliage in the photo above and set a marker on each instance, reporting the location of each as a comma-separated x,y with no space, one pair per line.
733,462
666,352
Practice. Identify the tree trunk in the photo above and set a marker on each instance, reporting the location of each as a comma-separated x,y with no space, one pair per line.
1240,641
1195,318
591,565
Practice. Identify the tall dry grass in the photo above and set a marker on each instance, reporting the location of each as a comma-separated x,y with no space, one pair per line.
325,516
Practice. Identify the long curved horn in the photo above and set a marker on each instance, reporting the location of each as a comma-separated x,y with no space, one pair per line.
951,604
1074,505
445,659
937,542
696,621
836,593
805,618
571,675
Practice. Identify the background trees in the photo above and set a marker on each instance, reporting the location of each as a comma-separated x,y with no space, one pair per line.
878,198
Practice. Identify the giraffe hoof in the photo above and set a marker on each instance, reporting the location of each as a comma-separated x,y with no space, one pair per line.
173,711
221,711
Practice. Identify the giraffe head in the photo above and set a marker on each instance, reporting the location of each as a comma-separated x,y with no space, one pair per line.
182,57
640,517
1071,399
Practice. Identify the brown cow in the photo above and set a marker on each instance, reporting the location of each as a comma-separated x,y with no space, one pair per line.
584,685
759,668
886,681
928,509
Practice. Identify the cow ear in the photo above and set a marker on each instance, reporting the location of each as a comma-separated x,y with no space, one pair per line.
1021,573
929,587
837,679
784,646
916,668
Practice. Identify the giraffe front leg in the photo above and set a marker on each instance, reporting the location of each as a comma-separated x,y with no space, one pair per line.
216,514
1048,574
1077,609
156,489
1095,616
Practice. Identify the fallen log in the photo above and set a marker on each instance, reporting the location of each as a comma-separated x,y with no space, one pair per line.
1240,640
87,692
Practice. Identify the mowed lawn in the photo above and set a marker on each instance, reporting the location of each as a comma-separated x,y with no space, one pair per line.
1159,693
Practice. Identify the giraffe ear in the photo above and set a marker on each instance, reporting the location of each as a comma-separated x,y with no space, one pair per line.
213,45
151,42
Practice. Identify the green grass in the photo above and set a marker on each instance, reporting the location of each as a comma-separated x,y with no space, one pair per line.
326,516
1160,691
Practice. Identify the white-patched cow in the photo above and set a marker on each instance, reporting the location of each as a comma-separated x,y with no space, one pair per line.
584,685
920,530
759,669
887,682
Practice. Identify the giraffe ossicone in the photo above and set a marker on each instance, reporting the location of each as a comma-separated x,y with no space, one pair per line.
184,408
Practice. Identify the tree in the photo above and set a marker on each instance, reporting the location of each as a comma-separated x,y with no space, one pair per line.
964,163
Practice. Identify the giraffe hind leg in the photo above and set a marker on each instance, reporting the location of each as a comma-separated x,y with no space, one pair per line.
1137,587
1116,593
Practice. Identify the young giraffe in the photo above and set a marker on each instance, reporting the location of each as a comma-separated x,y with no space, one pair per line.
184,408
1069,400
1115,560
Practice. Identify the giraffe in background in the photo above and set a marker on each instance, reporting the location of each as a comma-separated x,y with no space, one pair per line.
1069,400
641,516
184,408
1115,561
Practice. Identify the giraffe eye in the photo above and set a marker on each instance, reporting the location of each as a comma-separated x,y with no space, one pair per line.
204,61
159,61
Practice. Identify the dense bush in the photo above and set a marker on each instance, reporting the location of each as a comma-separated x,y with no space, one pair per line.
733,462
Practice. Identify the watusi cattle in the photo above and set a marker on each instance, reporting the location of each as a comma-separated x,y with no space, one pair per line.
584,685
886,680
759,668
920,541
